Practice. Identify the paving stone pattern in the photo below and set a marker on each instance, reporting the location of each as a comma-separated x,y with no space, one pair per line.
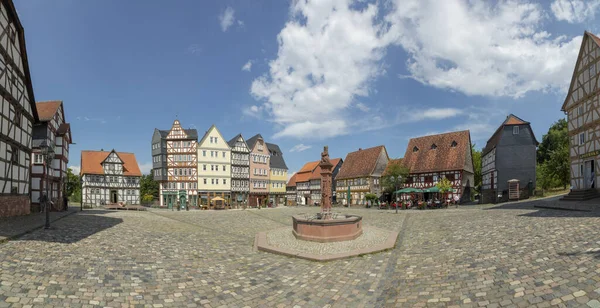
514,256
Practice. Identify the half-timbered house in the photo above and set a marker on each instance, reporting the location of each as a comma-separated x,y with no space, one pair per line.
175,165
52,128
214,167
361,173
431,158
240,170
259,171
109,178
315,181
277,175
18,115
303,196
290,191
582,107
510,154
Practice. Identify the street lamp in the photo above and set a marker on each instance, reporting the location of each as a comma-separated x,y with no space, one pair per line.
48,153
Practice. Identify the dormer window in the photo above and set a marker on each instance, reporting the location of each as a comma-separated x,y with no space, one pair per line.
433,146
454,144
415,149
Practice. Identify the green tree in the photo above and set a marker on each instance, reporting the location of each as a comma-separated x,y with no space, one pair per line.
444,185
394,176
73,189
556,138
557,166
476,166
148,186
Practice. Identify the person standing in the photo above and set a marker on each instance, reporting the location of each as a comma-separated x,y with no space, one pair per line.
66,202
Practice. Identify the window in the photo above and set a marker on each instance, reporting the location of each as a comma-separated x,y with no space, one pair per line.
204,167
223,167
38,158
211,140
15,154
212,181
217,181
454,144
580,110
515,130
224,181
581,138
204,153
212,167
223,154
205,181
433,146
415,149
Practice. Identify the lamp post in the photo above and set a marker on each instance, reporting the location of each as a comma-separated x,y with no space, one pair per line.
48,152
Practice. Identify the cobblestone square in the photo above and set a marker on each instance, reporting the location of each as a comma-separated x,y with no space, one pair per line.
476,256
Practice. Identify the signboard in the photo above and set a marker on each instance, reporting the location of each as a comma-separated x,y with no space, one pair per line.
589,154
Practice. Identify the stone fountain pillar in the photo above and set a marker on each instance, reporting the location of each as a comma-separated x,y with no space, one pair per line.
326,180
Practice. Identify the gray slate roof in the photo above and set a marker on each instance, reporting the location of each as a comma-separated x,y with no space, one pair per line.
252,141
233,141
276,160
192,133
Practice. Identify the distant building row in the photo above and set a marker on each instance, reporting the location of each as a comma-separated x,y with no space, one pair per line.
238,171
509,155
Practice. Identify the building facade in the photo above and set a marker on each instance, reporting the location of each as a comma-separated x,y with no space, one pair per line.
214,167
278,171
259,171
291,195
508,155
315,181
431,158
18,115
240,170
361,174
52,129
582,107
175,165
109,178
303,196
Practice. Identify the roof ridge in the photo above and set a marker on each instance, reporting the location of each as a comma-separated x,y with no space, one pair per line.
50,101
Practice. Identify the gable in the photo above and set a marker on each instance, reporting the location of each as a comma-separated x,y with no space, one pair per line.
177,132
113,158
584,80
213,139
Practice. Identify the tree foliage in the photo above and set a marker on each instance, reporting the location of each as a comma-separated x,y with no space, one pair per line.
476,166
148,186
553,157
444,185
394,176
73,186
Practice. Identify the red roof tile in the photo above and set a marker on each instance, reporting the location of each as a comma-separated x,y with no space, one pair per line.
306,172
316,174
91,163
292,181
444,157
46,110
360,163
392,162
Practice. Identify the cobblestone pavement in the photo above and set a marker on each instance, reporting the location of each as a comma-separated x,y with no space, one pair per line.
511,256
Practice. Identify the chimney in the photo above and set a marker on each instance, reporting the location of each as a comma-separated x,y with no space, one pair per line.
101,150
360,149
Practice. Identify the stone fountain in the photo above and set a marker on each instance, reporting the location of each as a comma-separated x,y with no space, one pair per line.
327,226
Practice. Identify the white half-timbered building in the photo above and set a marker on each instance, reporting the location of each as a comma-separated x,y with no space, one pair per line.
240,170
109,178
52,128
431,158
17,106
582,107
175,165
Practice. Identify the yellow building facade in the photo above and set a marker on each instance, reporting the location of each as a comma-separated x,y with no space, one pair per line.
214,169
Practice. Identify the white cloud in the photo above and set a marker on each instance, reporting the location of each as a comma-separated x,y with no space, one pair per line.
482,49
330,53
145,168
435,114
248,66
574,11
227,18
75,169
300,147
323,64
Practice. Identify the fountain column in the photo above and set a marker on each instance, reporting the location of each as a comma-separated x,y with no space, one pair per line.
326,181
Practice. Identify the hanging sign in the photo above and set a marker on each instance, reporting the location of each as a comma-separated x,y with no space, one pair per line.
589,154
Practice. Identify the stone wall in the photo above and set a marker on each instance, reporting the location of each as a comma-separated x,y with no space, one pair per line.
14,206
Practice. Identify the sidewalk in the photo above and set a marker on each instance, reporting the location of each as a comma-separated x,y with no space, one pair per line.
13,227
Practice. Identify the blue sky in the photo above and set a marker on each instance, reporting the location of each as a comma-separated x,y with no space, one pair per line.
342,73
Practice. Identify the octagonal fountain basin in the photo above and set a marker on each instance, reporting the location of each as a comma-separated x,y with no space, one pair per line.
337,229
